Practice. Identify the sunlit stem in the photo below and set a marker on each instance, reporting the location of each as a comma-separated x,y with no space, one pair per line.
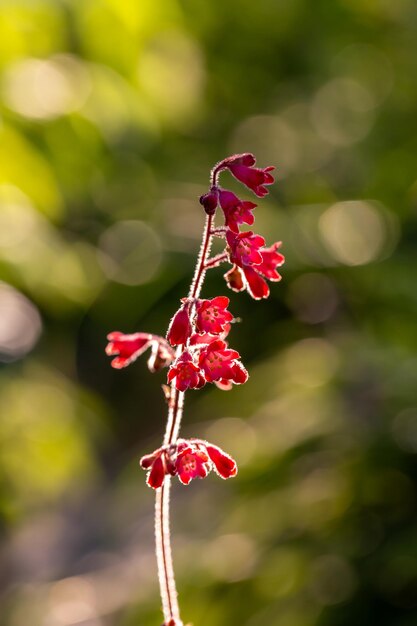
216,260
162,533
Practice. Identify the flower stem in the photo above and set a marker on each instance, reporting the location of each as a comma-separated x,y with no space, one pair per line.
162,533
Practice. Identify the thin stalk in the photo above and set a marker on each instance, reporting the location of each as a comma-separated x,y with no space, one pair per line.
162,533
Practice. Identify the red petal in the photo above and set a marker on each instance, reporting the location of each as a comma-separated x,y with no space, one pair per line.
225,466
256,285
157,474
180,328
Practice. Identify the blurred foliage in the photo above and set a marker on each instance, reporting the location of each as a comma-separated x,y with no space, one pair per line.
112,113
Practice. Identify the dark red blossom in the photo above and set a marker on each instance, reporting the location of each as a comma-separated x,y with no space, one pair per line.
235,211
253,177
212,315
180,327
127,347
220,363
244,248
186,373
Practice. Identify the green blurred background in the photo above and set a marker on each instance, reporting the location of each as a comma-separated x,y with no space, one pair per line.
113,112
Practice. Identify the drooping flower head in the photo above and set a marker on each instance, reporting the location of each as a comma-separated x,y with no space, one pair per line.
187,459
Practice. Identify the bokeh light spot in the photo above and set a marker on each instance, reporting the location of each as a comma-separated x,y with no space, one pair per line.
354,232
44,89
230,557
130,252
311,362
313,297
342,112
171,73
20,324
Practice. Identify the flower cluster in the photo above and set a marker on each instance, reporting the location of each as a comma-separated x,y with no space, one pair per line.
200,327
252,261
187,459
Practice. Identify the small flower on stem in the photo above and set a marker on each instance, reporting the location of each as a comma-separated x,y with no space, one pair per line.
186,373
220,363
212,315
192,462
236,211
251,277
253,177
244,248
127,347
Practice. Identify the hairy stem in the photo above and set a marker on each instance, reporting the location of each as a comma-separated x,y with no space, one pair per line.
176,402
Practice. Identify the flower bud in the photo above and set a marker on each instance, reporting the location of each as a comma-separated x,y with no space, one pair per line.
210,200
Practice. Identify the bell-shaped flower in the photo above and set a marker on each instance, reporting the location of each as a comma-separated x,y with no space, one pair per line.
127,347
244,248
192,462
253,177
186,373
220,363
223,463
251,277
235,211
212,315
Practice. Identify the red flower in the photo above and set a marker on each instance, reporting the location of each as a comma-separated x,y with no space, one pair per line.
251,277
224,464
220,363
253,177
210,200
244,248
127,347
192,463
186,373
193,458
236,211
180,327
212,315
